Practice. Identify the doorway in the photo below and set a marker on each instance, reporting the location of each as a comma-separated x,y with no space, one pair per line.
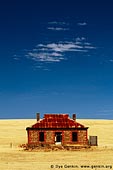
58,137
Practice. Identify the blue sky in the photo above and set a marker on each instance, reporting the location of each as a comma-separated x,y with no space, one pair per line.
56,57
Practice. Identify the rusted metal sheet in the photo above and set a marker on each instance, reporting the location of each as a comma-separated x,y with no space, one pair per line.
93,140
57,121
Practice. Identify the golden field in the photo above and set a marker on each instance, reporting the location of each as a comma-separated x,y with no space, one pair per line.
13,133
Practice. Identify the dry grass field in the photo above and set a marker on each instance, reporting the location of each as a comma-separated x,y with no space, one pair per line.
13,133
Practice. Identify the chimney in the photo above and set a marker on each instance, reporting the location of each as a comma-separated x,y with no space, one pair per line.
74,116
38,116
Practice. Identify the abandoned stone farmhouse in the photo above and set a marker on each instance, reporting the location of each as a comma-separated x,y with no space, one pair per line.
56,129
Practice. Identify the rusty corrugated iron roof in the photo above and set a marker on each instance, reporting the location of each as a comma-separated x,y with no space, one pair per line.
57,121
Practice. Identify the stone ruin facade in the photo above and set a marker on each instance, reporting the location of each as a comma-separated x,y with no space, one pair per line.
57,129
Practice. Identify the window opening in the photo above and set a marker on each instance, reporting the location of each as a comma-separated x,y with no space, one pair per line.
41,136
74,136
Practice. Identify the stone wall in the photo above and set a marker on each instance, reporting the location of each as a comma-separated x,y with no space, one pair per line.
33,136
82,137
49,137
66,137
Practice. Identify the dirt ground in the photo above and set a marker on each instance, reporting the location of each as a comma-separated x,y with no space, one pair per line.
13,133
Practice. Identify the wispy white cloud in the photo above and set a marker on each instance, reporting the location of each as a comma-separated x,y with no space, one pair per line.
62,47
89,47
45,56
58,23
56,52
82,24
86,43
16,57
58,28
80,40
